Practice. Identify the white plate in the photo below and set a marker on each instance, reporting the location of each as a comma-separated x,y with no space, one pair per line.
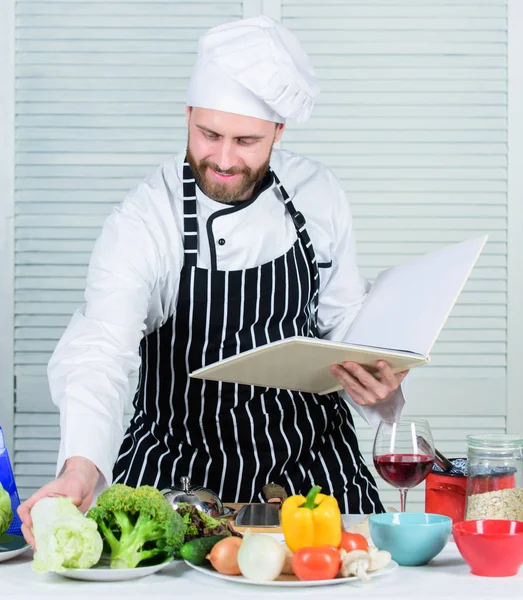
103,572
290,580
11,546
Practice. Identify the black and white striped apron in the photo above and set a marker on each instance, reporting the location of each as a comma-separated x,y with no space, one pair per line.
236,438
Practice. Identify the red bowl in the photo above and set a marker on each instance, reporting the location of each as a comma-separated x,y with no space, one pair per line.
492,548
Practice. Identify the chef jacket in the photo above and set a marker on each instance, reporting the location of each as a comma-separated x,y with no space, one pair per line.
133,278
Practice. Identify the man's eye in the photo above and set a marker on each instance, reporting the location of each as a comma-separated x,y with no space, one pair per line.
243,142
210,136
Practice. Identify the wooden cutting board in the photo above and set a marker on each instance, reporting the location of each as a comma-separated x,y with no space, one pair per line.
253,529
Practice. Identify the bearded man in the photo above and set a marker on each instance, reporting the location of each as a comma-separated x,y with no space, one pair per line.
227,246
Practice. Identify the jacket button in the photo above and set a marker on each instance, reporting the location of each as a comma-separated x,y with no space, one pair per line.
221,241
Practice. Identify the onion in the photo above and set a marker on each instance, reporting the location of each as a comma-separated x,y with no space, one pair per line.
261,557
224,556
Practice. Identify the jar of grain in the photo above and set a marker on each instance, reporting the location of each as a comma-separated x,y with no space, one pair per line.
495,477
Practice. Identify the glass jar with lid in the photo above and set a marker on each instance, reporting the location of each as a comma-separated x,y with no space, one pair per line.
495,477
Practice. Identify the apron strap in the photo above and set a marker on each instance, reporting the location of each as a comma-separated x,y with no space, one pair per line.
190,222
300,223
190,226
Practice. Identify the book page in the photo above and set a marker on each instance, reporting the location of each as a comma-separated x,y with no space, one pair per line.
301,364
408,305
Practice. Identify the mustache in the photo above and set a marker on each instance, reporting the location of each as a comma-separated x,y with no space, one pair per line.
232,171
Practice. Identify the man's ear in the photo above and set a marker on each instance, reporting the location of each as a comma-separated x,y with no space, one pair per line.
188,110
279,132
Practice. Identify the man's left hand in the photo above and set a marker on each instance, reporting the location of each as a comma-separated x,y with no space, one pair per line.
364,388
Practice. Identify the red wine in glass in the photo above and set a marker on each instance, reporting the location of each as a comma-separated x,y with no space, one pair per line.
403,454
403,470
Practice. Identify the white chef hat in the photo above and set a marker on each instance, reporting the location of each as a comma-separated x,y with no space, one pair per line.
254,67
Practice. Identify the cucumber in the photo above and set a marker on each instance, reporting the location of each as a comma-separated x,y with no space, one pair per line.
196,550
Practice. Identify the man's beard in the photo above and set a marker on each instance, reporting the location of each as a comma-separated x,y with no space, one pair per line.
226,192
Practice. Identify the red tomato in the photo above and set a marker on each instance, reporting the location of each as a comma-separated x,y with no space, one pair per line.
353,541
320,562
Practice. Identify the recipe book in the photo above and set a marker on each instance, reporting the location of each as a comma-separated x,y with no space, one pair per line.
399,322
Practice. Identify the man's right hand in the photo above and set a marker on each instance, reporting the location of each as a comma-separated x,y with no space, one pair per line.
78,482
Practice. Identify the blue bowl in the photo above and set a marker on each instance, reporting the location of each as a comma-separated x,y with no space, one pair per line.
412,538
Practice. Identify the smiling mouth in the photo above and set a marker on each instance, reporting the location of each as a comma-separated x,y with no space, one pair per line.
224,176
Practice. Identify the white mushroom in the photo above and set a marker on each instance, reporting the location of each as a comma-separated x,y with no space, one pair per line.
379,559
355,563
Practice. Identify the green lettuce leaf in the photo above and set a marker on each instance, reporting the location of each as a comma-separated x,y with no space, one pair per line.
6,512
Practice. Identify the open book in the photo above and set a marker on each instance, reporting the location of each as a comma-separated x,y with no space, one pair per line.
399,322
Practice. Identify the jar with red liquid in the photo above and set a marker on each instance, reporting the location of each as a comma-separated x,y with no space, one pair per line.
446,493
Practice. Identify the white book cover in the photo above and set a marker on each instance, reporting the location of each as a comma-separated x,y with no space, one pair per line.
400,320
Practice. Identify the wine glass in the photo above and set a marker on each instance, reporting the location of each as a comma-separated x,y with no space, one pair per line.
403,454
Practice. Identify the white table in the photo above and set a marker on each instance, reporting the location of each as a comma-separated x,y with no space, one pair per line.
447,576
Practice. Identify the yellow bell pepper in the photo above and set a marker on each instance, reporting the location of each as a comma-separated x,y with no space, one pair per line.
311,521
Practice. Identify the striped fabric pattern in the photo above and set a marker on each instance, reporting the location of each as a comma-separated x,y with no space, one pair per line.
229,437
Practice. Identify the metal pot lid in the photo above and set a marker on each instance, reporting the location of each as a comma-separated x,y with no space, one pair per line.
202,498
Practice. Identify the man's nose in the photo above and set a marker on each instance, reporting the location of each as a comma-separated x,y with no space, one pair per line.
226,158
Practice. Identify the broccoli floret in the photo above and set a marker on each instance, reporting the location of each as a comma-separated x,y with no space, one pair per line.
138,525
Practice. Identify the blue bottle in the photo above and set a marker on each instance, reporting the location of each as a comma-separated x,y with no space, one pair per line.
8,483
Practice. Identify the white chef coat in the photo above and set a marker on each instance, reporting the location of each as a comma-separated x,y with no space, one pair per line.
133,278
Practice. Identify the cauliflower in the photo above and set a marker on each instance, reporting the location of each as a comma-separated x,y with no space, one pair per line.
64,537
